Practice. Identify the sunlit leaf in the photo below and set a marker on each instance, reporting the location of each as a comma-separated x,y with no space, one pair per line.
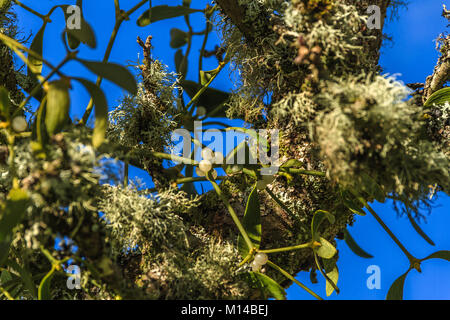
101,111
440,97
58,106
333,276
326,250
35,65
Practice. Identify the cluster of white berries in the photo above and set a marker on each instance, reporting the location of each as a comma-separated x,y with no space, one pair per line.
259,260
209,158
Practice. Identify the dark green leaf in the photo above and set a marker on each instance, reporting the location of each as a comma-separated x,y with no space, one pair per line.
317,220
354,246
419,229
37,46
5,103
178,38
444,254
85,34
25,276
180,64
212,99
440,97
251,223
101,111
396,290
163,12
270,286
113,72
371,187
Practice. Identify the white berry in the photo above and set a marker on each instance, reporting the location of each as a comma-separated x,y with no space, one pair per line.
261,258
199,172
218,157
205,165
207,154
255,266
19,124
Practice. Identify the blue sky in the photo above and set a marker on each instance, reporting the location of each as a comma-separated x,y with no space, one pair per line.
412,56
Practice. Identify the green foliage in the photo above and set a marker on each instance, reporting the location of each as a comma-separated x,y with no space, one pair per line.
306,67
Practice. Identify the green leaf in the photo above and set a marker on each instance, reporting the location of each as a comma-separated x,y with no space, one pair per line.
44,287
270,286
85,33
113,72
205,76
58,106
396,290
101,111
419,229
371,187
333,276
354,206
251,223
178,38
212,99
25,276
35,65
11,215
163,12
5,103
180,67
292,163
16,204
440,97
351,243
443,254
317,220
326,250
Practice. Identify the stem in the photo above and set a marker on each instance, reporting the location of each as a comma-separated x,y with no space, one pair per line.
202,50
196,179
283,249
303,171
233,215
410,257
287,275
20,4
125,175
6,293
120,17
203,89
